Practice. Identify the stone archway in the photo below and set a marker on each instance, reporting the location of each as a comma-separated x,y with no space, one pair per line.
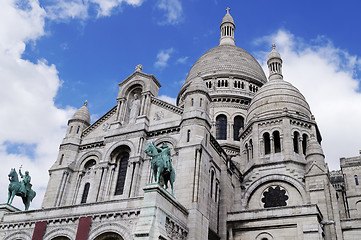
61,238
109,236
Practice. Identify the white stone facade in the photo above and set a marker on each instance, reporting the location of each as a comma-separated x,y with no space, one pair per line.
246,153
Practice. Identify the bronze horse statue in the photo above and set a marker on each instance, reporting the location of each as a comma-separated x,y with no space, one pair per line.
161,176
15,190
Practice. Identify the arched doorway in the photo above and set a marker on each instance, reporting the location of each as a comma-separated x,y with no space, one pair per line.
109,236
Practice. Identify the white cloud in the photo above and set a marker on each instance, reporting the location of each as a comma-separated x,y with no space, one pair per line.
163,57
64,10
327,77
168,99
32,127
182,60
173,11
78,9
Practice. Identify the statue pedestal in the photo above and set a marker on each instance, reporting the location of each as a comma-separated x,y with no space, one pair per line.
6,208
161,216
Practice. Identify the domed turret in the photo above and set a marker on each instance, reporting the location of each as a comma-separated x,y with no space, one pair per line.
82,114
277,96
77,124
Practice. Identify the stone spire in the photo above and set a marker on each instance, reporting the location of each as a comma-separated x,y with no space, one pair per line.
274,64
227,30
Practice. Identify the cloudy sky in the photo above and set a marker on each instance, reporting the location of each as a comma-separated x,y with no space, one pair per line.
55,54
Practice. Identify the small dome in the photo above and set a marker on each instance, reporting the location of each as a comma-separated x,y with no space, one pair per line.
274,53
275,98
197,83
82,113
227,19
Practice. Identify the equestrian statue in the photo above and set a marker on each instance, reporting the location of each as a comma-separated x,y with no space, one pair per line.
21,189
161,164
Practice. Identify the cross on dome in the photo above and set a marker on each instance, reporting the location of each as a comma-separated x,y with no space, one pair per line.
227,9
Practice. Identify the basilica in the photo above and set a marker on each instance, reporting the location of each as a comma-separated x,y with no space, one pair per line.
245,149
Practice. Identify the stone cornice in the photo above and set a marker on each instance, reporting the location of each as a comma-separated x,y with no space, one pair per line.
163,131
141,74
166,105
98,122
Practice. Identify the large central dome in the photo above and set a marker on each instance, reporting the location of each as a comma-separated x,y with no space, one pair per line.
229,60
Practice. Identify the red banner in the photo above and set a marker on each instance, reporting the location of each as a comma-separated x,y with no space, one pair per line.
39,230
83,228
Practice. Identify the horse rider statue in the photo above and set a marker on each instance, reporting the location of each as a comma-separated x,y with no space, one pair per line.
25,183
166,154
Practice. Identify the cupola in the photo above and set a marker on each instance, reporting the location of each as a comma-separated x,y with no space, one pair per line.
227,30
274,64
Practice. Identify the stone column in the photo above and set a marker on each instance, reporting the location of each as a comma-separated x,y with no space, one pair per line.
109,182
122,111
102,183
80,177
142,104
261,148
272,144
62,188
135,179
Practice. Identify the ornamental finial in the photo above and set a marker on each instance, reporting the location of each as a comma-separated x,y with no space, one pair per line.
273,46
139,68
227,9
86,103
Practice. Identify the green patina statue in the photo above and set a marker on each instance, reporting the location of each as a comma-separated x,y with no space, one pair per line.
21,189
161,164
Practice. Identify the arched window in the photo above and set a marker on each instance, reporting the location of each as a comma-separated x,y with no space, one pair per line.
89,164
188,135
277,141
200,102
122,161
267,143
304,143
251,149
247,152
77,131
356,180
295,141
192,102
85,193
216,192
221,127
212,180
237,125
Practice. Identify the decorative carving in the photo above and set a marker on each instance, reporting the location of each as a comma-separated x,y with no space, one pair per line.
274,196
158,115
174,231
106,127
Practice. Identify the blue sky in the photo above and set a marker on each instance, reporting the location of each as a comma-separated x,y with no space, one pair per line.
55,54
